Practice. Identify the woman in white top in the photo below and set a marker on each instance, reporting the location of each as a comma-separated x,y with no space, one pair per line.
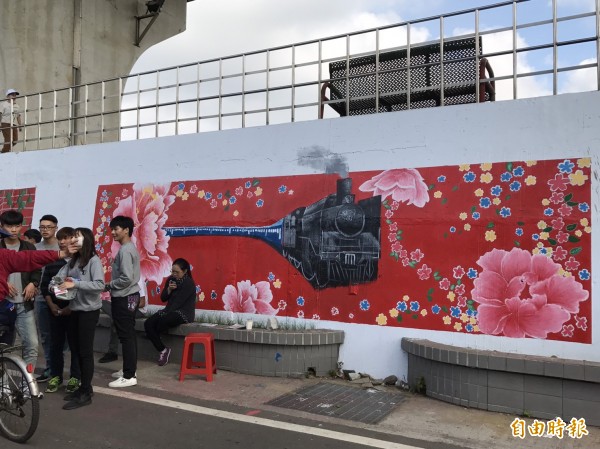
10,120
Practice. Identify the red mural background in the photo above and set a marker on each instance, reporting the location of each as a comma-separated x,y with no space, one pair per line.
22,200
501,249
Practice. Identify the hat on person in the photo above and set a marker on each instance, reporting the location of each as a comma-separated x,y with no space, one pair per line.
11,91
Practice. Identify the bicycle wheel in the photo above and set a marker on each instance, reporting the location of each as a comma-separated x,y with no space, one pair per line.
19,410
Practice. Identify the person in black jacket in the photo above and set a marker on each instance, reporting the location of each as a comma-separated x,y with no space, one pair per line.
60,315
179,292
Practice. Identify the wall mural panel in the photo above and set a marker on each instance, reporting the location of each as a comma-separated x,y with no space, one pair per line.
500,249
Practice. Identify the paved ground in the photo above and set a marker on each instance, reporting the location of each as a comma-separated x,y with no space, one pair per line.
416,417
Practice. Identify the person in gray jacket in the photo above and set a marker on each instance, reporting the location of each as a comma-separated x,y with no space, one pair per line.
125,298
83,274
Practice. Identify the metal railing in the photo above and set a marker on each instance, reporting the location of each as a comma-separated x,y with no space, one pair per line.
534,47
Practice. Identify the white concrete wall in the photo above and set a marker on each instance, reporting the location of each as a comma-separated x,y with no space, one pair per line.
566,126
54,44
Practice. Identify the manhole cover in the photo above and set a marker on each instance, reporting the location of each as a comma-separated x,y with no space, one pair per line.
340,401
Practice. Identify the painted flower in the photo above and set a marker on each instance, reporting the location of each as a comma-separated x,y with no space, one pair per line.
469,177
558,183
424,272
364,305
566,166
559,253
515,186
444,284
403,185
518,171
436,309
416,255
249,298
520,294
381,319
558,223
581,322
583,207
401,306
565,210
578,178
567,330
148,206
458,272
472,273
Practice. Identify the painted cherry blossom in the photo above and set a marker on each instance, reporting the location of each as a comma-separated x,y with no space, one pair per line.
148,205
402,184
523,295
249,298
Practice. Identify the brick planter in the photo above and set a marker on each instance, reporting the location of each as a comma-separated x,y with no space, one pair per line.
540,387
261,352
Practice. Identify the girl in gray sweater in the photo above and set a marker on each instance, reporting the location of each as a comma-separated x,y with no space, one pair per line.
84,274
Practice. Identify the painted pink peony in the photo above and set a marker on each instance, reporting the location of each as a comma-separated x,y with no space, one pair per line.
148,205
249,298
403,184
522,295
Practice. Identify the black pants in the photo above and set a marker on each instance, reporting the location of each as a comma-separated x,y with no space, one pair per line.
123,315
59,332
161,322
82,325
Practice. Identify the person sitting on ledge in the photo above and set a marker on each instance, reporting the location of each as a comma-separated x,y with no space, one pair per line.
179,292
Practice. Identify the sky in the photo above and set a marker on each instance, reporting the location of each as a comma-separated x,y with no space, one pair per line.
218,28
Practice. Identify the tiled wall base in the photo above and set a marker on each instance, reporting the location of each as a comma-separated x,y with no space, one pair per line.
540,387
259,352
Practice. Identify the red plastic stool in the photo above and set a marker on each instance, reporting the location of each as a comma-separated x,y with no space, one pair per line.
189,366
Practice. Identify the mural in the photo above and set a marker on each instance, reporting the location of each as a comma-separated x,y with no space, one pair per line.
332,242
499,249
22,200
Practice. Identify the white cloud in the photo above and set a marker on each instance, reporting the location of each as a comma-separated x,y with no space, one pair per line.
581,80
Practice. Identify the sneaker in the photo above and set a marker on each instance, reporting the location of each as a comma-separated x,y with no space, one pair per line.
72,396
44,377
54,384
108,357
79,401
163,357
117,374
121,382
72,385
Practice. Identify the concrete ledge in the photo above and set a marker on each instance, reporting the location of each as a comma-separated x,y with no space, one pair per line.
540,387
261,352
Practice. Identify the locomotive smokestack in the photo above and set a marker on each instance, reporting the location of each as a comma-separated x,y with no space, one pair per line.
344,191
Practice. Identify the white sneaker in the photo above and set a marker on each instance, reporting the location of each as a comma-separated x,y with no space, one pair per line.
117,374
122,382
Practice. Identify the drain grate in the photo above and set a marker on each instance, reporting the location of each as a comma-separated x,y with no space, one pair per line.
340,401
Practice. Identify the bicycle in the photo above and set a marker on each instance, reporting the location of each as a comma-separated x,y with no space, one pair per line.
19,401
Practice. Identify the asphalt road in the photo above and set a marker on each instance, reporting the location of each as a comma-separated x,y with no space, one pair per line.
139,418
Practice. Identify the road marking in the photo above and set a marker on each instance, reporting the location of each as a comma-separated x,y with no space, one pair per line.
324,433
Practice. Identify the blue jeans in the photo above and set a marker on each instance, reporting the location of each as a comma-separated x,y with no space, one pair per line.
42,313
25,326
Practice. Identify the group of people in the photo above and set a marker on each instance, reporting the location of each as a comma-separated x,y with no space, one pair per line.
63,293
